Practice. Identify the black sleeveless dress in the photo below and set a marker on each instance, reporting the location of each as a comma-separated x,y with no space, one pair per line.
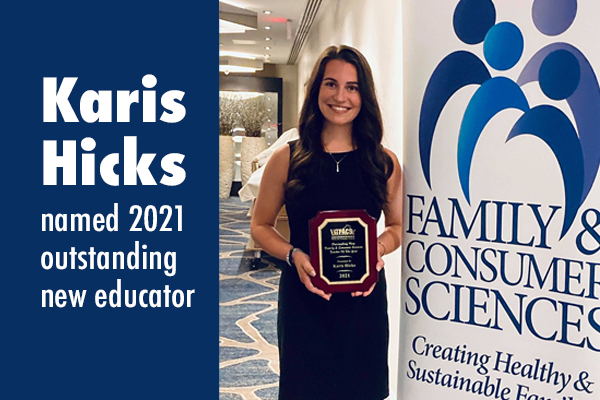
337,349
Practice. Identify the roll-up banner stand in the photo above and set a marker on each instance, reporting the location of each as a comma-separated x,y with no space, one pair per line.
501,252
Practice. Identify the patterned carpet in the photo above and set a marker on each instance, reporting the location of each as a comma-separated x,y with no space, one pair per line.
248,357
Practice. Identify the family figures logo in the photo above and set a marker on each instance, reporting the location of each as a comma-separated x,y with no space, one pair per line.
561,70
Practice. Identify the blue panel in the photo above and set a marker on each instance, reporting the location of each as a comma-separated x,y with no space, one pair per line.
92,352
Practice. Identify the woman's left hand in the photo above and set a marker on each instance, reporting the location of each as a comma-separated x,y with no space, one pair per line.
379,266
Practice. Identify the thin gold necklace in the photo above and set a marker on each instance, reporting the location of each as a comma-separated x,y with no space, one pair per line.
337,163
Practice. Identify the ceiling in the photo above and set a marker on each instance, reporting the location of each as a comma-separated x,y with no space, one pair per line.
284,22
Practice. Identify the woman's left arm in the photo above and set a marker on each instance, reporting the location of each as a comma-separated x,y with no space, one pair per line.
391,238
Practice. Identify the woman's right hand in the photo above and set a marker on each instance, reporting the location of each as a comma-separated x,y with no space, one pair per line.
305,271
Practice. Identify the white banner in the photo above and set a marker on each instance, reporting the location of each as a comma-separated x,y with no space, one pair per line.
501,254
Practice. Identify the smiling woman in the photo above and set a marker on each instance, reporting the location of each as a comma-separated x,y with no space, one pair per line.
338,163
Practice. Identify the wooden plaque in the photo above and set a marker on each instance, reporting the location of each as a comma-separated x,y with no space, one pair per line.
343,250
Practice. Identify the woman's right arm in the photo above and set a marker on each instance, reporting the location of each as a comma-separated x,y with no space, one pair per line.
268,203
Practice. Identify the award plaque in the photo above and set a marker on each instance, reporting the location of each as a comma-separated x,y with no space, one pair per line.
343,250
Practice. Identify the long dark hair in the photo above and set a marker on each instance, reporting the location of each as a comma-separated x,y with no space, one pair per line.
367,130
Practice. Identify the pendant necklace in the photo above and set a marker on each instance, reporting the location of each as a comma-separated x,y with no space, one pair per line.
337,163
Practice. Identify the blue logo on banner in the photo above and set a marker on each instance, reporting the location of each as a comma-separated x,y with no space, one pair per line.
562,72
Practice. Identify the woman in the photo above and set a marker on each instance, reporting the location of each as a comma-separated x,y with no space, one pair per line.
331,346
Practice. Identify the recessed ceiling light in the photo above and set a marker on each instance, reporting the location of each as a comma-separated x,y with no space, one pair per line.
267,27
267,48
267,38
227,69
240,41
267,12
233,27
229,64
238,54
